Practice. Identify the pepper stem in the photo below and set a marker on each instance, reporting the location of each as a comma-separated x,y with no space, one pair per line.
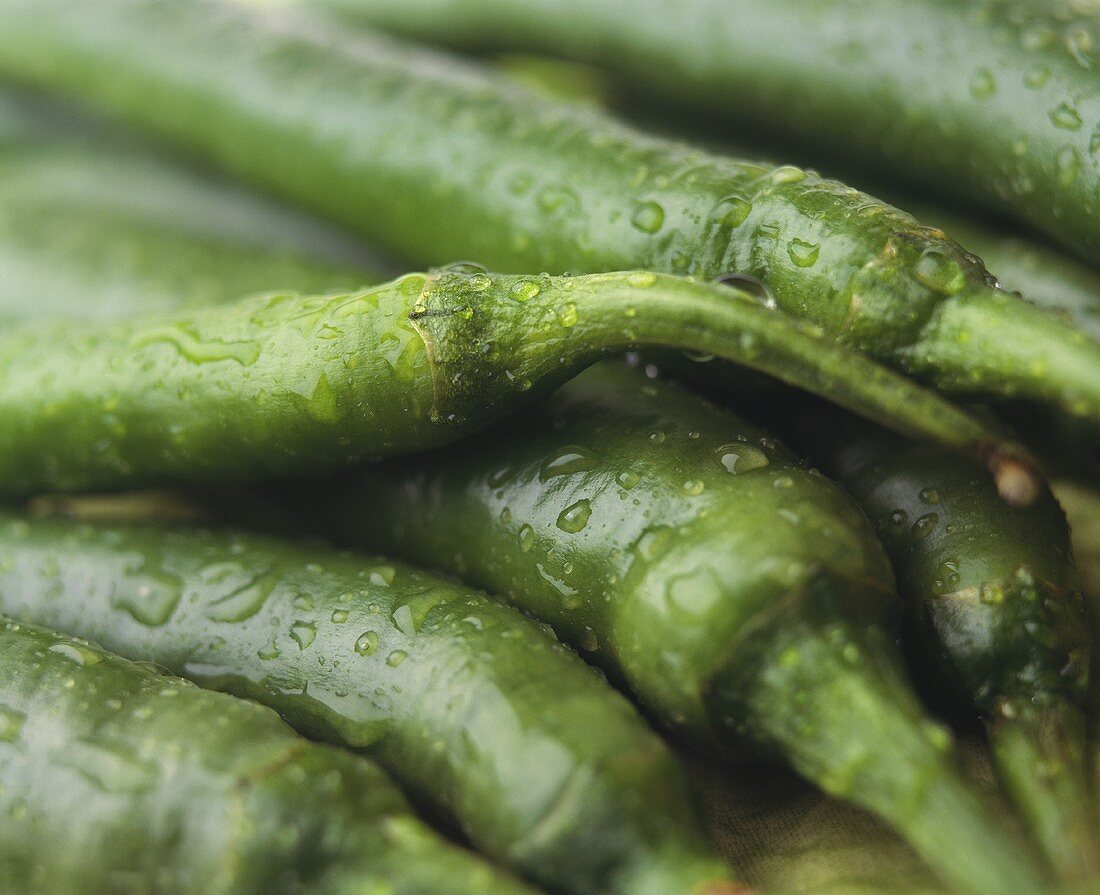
1040,753
990,342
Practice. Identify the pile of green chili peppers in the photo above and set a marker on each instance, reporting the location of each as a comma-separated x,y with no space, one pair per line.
434,463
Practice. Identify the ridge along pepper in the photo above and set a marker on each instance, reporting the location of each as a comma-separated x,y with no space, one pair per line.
437,160
994,606
998,101
743,599
92,231
116,778
285,384
473,708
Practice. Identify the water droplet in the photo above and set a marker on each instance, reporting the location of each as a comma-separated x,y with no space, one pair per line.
339,616
925,525
693,487
783,481
749,285
575,517
948,577
651,542
524,290
736,457
1065,117
244,599
1069,164
982,85
409,616
940,272
930,496
526,538
152,600
396,658
1079,44
802,253
197,350
731,211
322,403
1037,76
367,643
657,436
627,479
11,723
558,199
1036,37
79,653
568,315
269,652
382,576
640,279
303,634
478,282
788,174
648,217
567,460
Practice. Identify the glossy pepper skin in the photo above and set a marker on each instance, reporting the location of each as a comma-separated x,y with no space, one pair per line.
95,231
1057,282
998,101
743,599
285,384
439,160
117,778
474,708
995,611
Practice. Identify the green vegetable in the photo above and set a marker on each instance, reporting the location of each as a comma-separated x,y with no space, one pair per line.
283,384
440,160
1083,510
743,599
995,609
998,101
1060,284
90,231
472,707
114,779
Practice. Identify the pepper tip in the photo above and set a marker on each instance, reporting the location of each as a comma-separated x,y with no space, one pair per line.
1017,479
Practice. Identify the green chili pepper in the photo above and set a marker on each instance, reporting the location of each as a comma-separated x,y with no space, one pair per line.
471,706
743,599
285,384
1058,283
114,778
996,101
89,231
440,160
992,593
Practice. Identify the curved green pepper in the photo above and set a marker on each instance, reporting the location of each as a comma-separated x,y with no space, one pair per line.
114,778
439,160
998,101
742,598
472,707
284,384
995,609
